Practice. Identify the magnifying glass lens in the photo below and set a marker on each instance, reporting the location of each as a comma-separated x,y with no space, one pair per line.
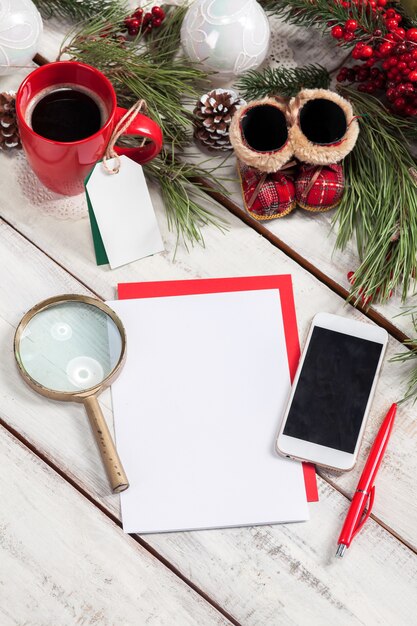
70,347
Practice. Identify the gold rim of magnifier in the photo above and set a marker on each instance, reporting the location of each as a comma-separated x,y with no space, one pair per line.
73,396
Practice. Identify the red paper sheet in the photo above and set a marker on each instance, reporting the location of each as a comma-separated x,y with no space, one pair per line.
283,283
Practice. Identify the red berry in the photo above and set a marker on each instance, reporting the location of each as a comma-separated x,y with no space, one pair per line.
147,18
362,87
385,48
134,23
391,24
156,22
367,51
381,3
402,66
158,12
351,25
413,76
356,54
132,31
411,35
377,32
337,32
399,34
349,36
399,103
390,37
138,13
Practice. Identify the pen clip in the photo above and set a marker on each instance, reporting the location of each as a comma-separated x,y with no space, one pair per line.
367,510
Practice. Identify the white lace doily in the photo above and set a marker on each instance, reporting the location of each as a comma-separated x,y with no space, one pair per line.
280,54
41,198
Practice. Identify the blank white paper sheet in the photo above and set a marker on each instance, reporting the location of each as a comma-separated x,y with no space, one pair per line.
197,409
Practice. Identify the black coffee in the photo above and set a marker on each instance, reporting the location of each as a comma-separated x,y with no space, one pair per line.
66,114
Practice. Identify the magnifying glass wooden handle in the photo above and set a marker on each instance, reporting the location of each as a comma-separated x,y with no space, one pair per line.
114,468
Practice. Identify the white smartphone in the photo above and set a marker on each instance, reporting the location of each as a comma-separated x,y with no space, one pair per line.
332,392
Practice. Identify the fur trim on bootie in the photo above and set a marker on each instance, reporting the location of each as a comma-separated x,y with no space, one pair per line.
259,135
323,127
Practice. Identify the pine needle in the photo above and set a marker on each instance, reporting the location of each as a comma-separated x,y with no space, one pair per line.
282,81
318,13
379,206
148,68
75,9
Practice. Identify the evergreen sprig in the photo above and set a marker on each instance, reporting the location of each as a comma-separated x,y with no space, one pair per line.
406,357
319,12
77,9
184,196
282,81
166,83
148,68
379,206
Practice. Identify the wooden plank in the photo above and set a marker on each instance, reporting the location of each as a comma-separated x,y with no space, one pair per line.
63,562
228,565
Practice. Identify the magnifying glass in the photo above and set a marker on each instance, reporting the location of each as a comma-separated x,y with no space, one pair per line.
71,348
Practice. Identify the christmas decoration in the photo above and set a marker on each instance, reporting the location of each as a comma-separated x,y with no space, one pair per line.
9,132
149,68
226,36
20,31
141,21
213,115
76,10
260,138
379,207
282,81
379,35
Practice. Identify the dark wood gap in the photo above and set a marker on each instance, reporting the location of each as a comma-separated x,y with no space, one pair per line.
228,204
137,538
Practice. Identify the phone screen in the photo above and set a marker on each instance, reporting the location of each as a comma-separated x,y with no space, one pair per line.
330,399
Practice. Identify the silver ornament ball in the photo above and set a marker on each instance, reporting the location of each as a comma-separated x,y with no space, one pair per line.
20,31
226,36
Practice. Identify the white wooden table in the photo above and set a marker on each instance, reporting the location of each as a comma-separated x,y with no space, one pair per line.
64,559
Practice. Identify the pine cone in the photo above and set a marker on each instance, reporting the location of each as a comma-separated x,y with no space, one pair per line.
212,117
9,132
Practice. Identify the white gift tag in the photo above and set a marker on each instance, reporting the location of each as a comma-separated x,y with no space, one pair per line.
124,212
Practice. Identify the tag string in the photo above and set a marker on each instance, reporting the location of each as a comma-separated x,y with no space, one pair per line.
120,128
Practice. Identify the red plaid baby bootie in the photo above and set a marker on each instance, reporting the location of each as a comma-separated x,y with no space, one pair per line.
266,196
319,188
260,138
323,131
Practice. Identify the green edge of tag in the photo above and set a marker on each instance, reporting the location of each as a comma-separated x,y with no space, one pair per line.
99,249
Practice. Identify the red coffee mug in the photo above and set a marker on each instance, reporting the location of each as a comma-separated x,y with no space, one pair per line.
63,166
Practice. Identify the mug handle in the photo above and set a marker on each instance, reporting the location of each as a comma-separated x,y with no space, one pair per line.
144,127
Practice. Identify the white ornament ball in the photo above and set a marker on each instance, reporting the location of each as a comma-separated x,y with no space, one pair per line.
20,31
226,36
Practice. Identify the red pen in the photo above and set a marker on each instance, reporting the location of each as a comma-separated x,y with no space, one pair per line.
363,499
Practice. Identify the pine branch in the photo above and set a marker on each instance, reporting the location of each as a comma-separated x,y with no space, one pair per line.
281,81
75,9
147,68
183,196
379,206
318,13
165,82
